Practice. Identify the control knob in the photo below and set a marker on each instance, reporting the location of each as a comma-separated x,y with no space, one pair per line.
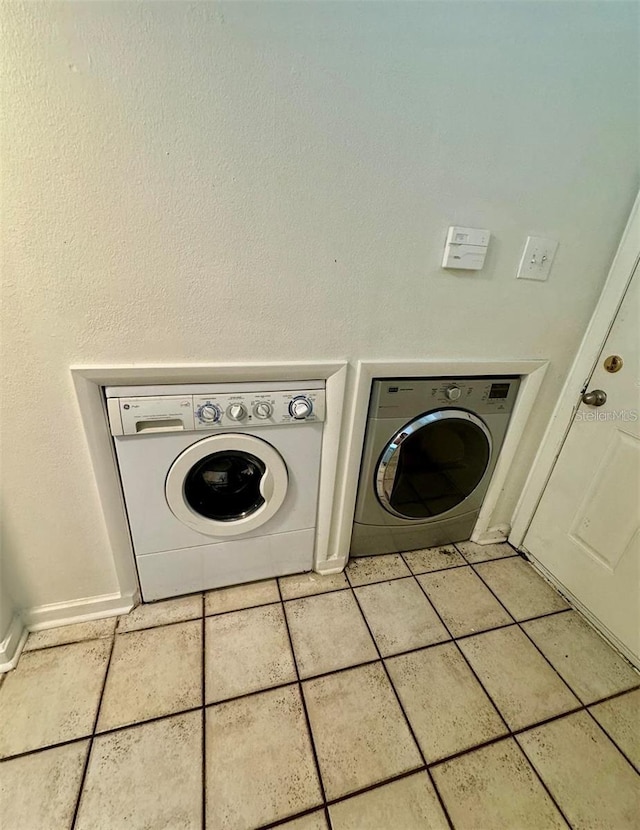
208,413
453,393
237,412
263,410
300,408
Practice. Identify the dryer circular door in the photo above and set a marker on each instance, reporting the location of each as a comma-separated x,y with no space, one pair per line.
227,484
433,464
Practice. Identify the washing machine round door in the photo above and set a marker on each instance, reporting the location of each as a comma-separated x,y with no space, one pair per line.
433,464
226,485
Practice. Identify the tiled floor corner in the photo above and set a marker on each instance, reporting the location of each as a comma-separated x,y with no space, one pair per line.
519,588
241,596
447,707
521,683
33,715
247,651
495,787
328,632
581,656
399,616
463,601
445,687
161,613
367,569
149,775
591,781
259,762
474,553
153,672
410,803
365,739
66,634
57,775
433,559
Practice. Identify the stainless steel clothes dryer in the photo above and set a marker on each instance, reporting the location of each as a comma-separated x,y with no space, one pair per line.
430,449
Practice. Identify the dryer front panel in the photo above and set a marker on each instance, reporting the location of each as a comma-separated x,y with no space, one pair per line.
433,464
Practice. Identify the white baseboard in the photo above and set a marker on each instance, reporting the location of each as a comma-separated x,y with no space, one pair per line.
13,643
329,567
499,533
78,610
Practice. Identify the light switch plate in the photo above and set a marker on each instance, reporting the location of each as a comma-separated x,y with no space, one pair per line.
537,258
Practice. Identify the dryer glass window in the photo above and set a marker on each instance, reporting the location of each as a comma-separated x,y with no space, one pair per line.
225,486
435,468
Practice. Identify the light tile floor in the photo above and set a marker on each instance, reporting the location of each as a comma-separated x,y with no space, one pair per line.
451,687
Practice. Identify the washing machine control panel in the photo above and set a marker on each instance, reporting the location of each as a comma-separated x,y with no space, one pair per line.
218,411
258,409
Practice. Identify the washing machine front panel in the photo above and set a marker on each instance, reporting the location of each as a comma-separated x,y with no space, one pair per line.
433,464
227,484
146,459
220,482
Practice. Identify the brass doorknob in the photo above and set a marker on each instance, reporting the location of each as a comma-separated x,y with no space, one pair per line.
596,397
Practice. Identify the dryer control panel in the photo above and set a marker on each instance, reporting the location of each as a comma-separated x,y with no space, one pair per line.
408,397
214,411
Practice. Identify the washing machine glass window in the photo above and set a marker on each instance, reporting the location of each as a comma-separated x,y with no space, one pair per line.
227,484
433,464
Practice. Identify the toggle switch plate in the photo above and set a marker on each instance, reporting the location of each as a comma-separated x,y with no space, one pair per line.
537,259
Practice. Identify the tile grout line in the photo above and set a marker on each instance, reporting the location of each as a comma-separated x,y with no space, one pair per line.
497,709
293,817
482,687
411,572
159,625
339,799
516,552
134,724
68,643
292,599
583,706
513,733
283,599
312,744
519,625
611,738
462,654
404,714
311,677
85,769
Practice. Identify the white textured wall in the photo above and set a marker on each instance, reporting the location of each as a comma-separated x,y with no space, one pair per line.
7,607
220,182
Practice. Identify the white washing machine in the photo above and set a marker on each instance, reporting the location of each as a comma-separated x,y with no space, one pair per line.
220,482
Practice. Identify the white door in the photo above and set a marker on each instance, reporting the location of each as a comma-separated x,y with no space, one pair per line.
586,529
